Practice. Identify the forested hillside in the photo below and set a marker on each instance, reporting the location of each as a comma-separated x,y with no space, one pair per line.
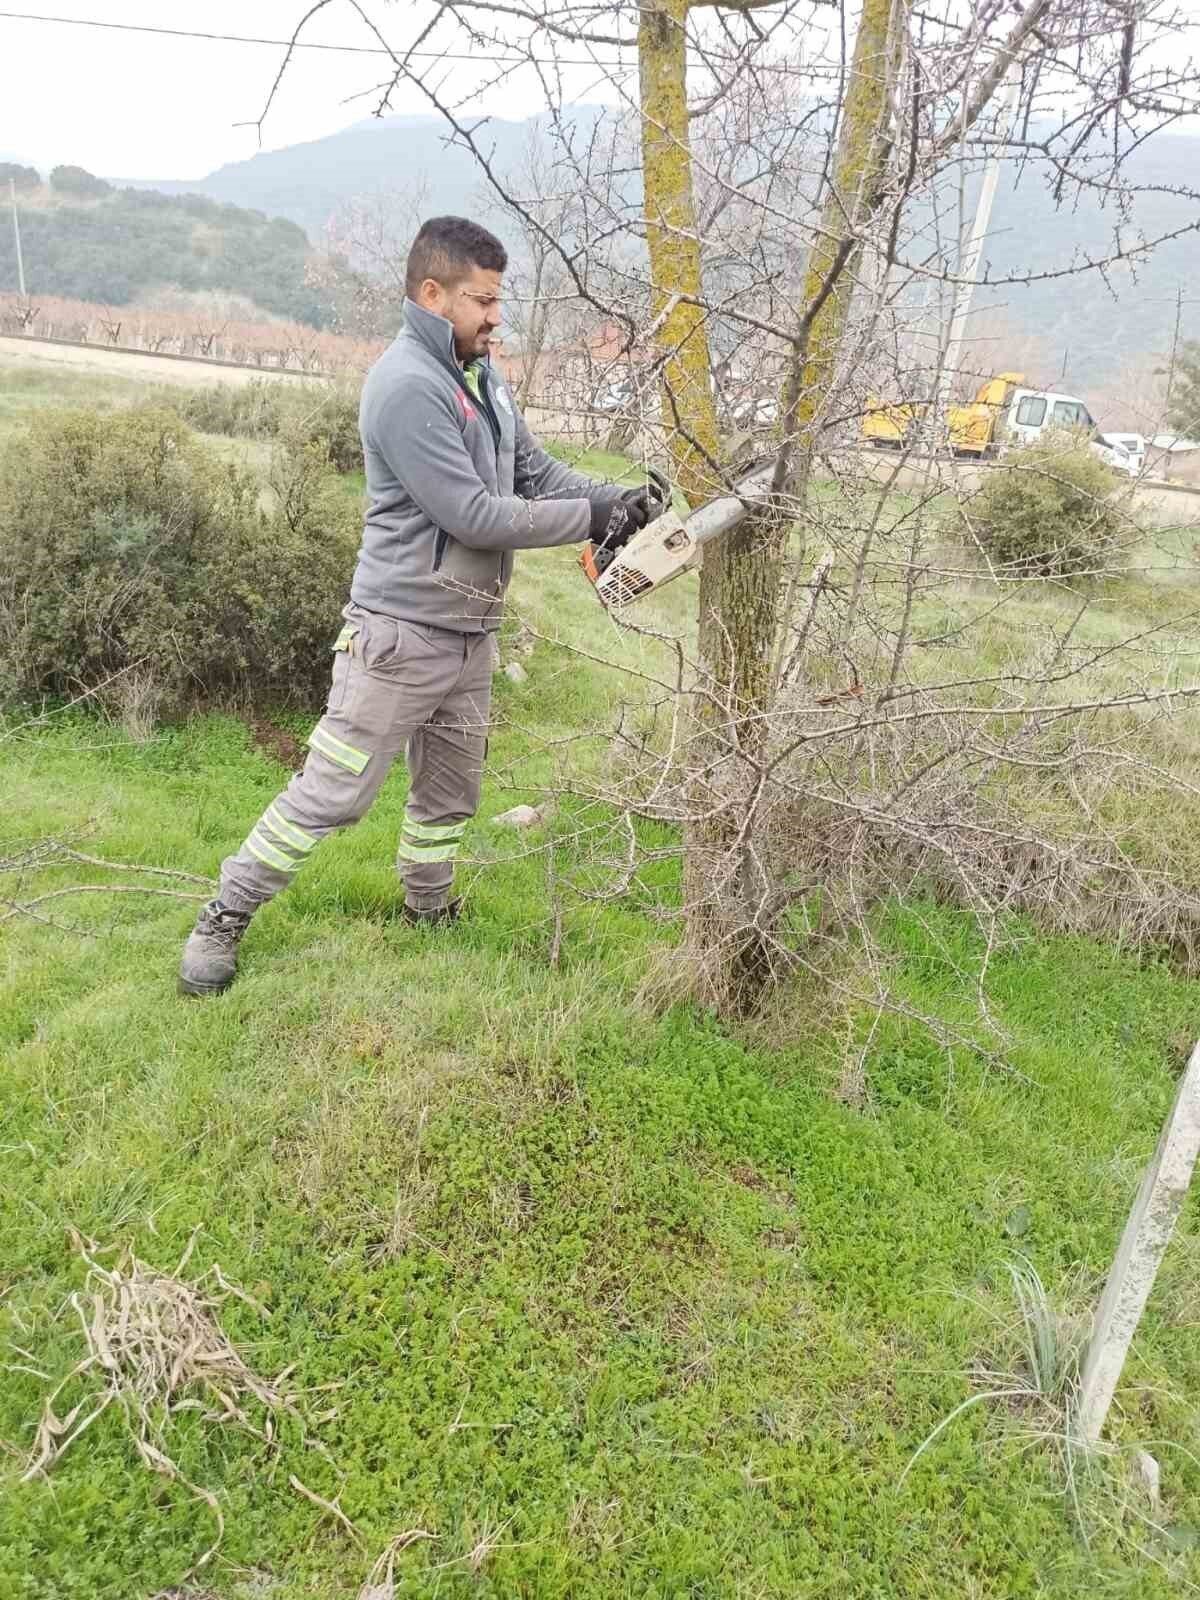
95,242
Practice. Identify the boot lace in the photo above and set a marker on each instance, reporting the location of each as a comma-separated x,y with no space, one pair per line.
218,922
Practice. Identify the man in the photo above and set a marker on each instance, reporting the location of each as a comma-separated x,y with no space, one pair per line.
455,484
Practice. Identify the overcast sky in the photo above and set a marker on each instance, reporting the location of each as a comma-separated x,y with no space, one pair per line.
138,106
134,105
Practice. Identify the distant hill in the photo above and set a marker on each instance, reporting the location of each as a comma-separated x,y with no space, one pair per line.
1096,327
1071,322
307,182
116,244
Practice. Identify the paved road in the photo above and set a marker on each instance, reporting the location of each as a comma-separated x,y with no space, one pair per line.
47,357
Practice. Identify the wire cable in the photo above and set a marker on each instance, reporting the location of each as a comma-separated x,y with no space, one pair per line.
284,44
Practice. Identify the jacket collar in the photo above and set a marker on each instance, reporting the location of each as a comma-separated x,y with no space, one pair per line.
435,334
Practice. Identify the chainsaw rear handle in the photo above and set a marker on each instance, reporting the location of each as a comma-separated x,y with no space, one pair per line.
588,559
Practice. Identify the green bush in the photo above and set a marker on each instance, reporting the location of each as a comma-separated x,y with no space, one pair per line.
20,177
127,546
327,414
301,413
1048,511
78,180
245,411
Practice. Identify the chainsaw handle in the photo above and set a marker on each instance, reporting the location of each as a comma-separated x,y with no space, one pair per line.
598,555
662,483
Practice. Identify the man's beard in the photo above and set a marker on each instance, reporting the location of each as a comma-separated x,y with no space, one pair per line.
476,347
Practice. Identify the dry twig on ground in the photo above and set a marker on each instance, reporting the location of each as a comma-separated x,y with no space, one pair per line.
46,854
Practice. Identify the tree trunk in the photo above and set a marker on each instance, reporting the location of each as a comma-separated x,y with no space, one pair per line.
736,591
859,168
752,596
728,881
859,165
688,410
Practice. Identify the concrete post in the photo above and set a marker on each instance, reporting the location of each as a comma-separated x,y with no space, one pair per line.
1143,1244
12,195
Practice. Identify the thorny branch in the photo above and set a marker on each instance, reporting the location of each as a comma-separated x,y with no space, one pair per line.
48,855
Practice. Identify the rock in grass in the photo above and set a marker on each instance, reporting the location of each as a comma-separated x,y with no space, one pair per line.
515,673
521,817
1148,1471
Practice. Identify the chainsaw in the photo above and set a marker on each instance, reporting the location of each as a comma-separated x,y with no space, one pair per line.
666,547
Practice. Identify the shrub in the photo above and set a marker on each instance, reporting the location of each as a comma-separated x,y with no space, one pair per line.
245,411
319,413
328,415
1047,511
20,177
127,545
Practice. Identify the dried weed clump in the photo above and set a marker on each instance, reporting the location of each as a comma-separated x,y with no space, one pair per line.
155,1348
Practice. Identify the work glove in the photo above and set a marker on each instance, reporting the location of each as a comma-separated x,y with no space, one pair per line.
651,499
614,524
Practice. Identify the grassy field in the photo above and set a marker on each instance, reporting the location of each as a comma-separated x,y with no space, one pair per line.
24,390
588,1302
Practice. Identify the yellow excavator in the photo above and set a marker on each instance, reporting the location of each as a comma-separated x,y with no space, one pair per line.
973,429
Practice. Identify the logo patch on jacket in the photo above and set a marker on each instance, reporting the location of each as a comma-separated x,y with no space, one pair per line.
468,410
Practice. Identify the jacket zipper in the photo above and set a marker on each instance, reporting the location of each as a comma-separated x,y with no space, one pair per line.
484,401
493,421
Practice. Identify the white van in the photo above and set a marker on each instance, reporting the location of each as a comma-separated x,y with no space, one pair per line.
1033,412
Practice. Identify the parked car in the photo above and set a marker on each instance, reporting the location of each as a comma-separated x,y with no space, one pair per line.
1134,444
1033,412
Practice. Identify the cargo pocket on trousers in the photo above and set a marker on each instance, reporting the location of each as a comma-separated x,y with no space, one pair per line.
343,655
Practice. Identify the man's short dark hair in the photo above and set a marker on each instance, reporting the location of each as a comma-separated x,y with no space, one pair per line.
446,249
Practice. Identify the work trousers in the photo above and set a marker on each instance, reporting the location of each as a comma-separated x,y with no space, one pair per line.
397,687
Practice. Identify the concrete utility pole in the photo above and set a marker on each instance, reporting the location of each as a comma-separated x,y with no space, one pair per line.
969,262
12,195
1143,1245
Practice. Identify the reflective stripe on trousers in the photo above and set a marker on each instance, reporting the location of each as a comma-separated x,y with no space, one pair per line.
398,688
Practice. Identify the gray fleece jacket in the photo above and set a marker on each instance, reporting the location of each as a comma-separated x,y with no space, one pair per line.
455,484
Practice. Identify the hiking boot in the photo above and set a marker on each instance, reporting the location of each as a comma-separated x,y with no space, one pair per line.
432,916
210,955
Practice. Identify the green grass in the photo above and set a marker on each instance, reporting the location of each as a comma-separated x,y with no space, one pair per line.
612,1304
1136,634
23,390
600,463
642,1294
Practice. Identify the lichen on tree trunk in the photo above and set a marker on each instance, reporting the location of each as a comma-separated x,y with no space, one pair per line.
859,164
689,413
688,409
